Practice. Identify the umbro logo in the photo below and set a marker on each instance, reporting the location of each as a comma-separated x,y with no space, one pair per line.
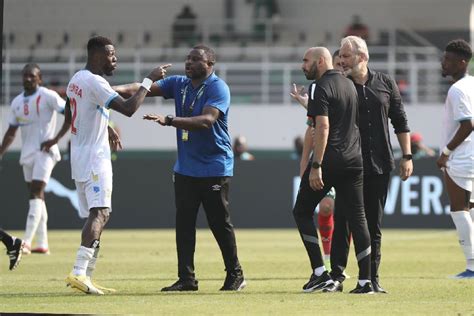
216,187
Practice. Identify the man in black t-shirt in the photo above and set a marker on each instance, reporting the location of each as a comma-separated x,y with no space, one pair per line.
337,162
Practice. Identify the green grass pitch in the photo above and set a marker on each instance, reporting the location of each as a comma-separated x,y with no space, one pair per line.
415,268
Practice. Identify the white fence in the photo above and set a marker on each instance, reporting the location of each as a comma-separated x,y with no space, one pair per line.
255,75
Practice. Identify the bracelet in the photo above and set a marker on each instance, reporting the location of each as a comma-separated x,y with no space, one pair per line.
146,83
446,151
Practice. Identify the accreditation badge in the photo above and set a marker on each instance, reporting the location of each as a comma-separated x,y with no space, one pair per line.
185,135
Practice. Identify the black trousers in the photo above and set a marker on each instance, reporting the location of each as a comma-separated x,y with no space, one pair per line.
375,196
212,193
349,187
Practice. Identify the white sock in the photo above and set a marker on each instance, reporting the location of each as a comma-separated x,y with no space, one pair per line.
465,228
42,231
319,271
32,221
363,282
84,255
92,262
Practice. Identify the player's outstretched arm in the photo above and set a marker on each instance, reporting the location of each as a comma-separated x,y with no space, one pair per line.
129,106
128,90
8,139
45,146
205,120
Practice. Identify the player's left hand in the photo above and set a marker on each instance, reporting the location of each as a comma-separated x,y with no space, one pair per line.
406,168
316,179
158,118
46,146
442,161
114,140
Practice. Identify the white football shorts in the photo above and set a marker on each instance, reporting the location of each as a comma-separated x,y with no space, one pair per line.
95,192
465,183
41,167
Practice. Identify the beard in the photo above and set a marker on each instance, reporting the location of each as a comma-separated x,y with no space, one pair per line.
312,73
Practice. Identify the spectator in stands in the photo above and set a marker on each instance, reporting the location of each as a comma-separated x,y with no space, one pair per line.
241,149
55,85
418,149
184,27
298,147
357,28
265,12
403,88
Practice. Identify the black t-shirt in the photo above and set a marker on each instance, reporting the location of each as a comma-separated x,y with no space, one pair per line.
335,96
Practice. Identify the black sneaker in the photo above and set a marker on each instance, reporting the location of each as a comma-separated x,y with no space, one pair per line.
336,286
234,281
14,252
182,285
378,288
366,289
318,283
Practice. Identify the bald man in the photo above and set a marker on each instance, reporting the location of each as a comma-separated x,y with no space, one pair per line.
337,162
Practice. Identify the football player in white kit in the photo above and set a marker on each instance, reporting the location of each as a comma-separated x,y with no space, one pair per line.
457,155
90,98
34,112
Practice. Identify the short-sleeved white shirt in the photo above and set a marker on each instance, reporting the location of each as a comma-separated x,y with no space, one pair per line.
459,107
36,116
89,96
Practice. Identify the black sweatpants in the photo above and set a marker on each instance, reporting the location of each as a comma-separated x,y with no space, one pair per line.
349,187
375,196
212,193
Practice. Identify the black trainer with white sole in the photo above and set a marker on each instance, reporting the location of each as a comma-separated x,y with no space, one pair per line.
333,288
318,283
234,281
378,288
366,289
182,286
14,252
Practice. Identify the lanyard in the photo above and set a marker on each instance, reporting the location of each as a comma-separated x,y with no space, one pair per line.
191,106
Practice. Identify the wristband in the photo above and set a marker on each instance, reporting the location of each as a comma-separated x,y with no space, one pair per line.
446,151
146,83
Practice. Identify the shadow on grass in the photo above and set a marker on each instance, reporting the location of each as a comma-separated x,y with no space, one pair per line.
146,294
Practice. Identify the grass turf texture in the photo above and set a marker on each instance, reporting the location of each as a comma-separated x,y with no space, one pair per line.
415,268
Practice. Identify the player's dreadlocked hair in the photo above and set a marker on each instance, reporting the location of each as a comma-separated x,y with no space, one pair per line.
210,53
97,43
461,48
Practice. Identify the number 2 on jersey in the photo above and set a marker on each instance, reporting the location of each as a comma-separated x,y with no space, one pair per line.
73,105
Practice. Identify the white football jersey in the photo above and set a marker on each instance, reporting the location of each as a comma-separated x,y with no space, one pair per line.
36,116
459,107
89,97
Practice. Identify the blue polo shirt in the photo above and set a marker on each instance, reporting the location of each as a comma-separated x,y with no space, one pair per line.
207,152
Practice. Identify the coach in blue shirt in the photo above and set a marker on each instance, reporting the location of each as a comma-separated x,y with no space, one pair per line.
205,163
